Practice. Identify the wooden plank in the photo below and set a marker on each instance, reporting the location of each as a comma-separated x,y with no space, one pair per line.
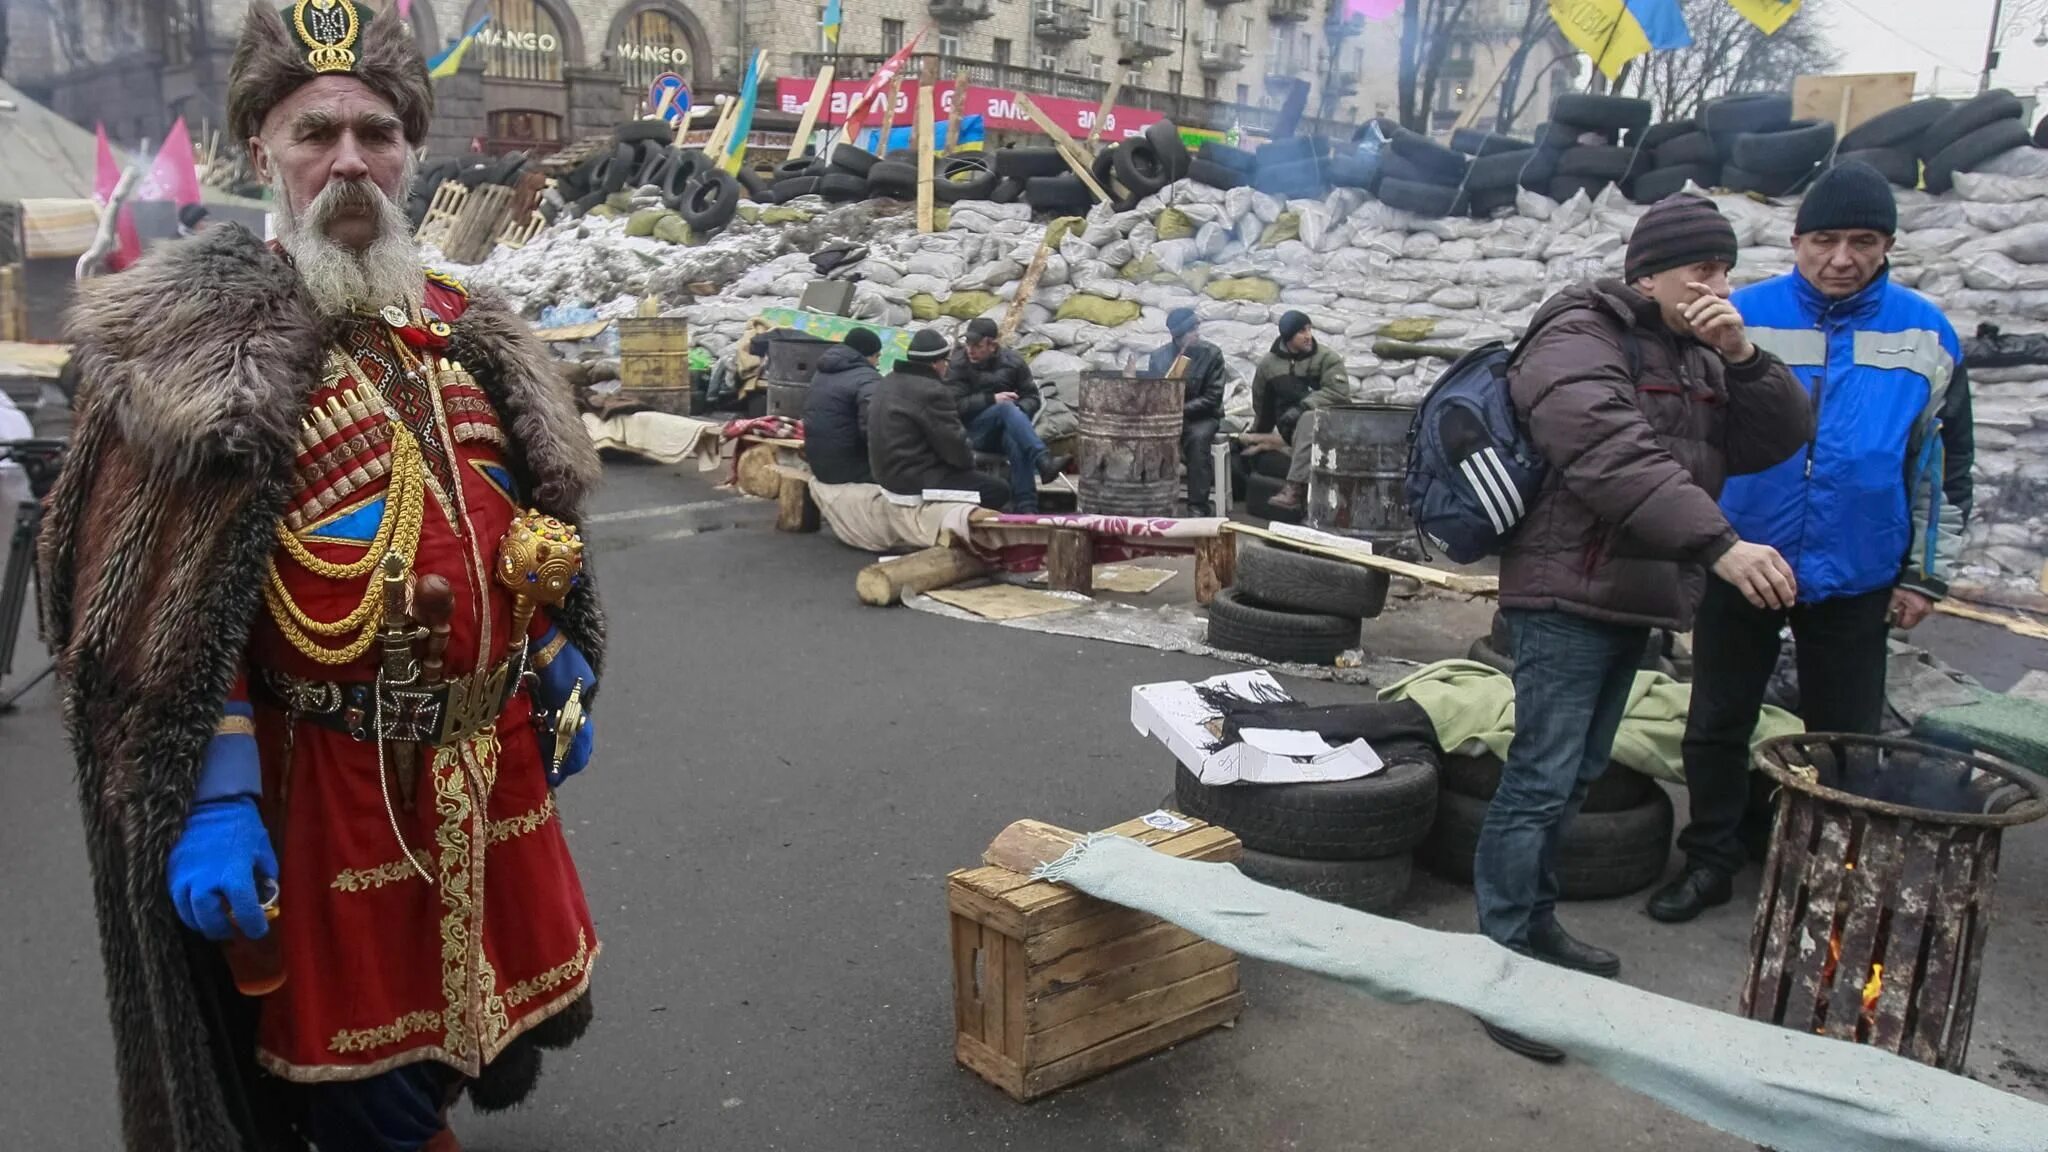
955,112
1109,95
1215,566
1863,94
1920,860
990,1065
1128,1047
995,989
921,139
1079,968
1105,988
1028,286
1070,561
1014,977
1982,846
1947,914
1777,906
966,937
1823,884
1867,892
1040,906
1113,923
1069,150
1128,1015
1435,577
820,93
2017,625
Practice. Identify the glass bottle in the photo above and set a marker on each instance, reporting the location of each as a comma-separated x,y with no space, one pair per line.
258,965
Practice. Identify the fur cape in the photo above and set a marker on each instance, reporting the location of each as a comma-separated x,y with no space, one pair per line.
195,366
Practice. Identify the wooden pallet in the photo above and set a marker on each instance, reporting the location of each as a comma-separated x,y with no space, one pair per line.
474,232
1052,986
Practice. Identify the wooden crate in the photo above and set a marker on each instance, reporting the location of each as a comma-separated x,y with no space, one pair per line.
654,352
1052,986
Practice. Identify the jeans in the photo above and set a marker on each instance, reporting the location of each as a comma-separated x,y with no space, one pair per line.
1841,653
1572,680
1304,454
1197,438
1006,428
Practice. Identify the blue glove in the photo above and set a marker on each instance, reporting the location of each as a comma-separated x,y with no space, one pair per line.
579,752
551,690
214,864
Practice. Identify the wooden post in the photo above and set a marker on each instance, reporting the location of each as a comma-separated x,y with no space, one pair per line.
1069,150
881,585
1070,561
888,115
921,139
809,120
720,129
1025,288
1215,566
956,115
1109,95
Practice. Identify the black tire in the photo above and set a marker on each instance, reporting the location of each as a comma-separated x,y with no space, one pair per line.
1030,163
1259,491
1658,135
800,167
1371,818
1394,166
1654,186
710,203
1902,127
1224,156
1763,183
1967,119
1482,203
1436,163
750,183
842,187
1237,624
639,131
1602,855
674,177
858,161
1618,789
1167,145
1008,191
507,169
1350,172
1793,149
1541,169
584,203
1300,582
1691,148
1563,188
1993,139
2041,133
1302,180
1139,167
653,161
615,169
1421,199
1286,150
1601,113
574,183
1375,886
1475,143
1750,112
1901,166
1062,193
1605,162
1103,168
783,191
893,178
965,178
1484,652
1499,170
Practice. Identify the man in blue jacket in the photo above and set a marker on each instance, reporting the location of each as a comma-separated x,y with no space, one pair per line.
1870,515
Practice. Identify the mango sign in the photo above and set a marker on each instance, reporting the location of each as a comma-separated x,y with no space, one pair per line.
997,107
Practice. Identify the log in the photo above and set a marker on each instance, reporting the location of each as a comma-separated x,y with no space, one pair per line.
1070,561
921,139
1028,286
881,585
1109,95
795,511
1405,350
1215,566
956,113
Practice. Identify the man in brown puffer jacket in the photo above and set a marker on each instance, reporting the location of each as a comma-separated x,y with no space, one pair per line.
1643,395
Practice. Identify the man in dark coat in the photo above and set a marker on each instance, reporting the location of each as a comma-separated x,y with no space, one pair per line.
998,400
915,439
1643,395
263,431
836,410
1203,378
1297,378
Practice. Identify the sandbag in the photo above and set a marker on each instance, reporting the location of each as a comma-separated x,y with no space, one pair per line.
1174,224
1996,272
1257,288
1999,217
1174,255
1097,310
1267,208
1211,240
1117,253
2026,243
1987,188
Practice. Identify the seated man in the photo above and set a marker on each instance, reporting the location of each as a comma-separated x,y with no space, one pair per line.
836,410
998,400
1294,381
1202,380
915,440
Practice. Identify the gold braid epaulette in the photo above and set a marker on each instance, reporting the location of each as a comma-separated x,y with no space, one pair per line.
448,282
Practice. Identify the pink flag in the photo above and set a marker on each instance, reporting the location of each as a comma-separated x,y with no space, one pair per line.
1373,9
127,242
405,9
175,174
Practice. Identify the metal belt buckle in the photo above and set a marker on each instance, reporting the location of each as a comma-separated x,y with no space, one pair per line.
412,715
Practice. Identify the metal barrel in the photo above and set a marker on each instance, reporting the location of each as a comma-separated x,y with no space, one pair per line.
654,352
1130,444
787,369
1358,477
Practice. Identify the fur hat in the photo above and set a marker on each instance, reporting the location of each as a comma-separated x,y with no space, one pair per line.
282,50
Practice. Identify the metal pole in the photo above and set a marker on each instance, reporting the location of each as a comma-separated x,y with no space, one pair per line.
1991,46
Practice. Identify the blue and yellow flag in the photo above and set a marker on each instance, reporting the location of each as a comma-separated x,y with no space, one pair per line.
831,25
451,58
1769,15
743,119
1614,32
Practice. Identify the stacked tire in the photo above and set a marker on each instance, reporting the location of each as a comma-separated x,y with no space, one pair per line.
1619,843
1967,136
1679,153
1291,168
1494,176
1419,175
642,156
469,171
1581,149
1222,166
1762,149
1293,608
1349,842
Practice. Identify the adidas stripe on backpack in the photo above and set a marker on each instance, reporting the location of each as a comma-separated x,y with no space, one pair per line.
1473,475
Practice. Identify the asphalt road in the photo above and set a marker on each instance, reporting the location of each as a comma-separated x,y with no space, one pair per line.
784,779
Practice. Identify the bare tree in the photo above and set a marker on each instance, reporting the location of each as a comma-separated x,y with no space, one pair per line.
1538,29
1728,55
1428,29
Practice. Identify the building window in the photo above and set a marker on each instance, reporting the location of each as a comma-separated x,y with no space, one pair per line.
652,42
949,45
1180,15
892,37
1244,32
524,131
1001,51
1515,10
1208,88
178,28
1134,79
1095,8
522,42
1173,81
1094,66
1047,62
1244,94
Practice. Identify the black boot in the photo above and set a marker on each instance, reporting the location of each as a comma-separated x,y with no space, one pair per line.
1521,1045
1050,466
1551,944
1697,889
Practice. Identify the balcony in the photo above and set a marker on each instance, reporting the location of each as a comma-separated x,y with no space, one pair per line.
1290,11
1222,3
1061,21
1283,70
961,11
1221,56
1455,70
1138,41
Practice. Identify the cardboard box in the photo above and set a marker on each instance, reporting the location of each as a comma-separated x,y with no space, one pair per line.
1175,714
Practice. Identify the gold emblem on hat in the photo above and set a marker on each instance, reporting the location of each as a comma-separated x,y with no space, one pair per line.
328,28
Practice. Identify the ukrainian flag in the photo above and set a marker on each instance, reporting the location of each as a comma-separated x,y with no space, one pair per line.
1769,15
451,58
1614,32
831,25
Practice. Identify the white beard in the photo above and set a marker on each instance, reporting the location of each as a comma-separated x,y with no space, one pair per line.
343,281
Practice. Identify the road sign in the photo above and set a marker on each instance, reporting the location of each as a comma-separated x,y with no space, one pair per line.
663,85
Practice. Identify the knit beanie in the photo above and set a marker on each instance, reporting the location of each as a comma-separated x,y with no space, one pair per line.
1849,195
927,347
863,341
1292,323
1181,321
1677,231
983,328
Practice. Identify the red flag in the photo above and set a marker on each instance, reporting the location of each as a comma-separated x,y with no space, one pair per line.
883,75
127,242
175,174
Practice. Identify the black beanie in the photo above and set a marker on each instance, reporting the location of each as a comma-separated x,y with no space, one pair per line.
926,347
1849,195
1291,323
863,341
1677,231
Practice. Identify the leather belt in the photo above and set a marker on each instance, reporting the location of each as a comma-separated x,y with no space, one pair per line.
435,715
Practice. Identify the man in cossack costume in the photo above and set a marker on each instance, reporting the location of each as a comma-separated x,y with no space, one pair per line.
316,593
